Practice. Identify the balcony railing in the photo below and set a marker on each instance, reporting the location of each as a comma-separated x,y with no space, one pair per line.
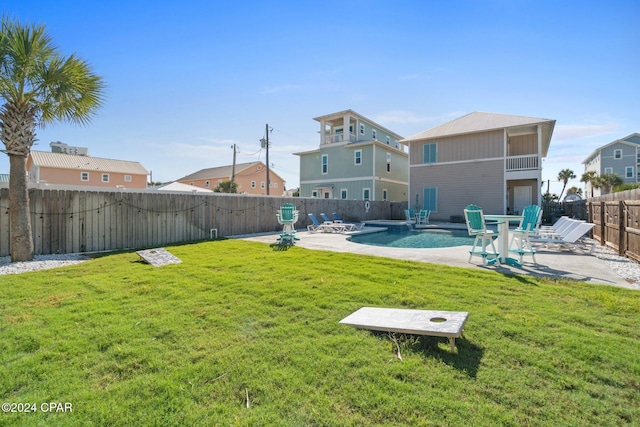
521,163
339,137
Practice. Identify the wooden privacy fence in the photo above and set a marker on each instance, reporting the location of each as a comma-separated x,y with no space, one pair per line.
71,221
617,225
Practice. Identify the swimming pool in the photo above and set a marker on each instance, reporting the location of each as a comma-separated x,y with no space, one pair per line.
415,238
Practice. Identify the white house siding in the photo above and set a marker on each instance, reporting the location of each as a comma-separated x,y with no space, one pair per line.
522,145
475,146
460,184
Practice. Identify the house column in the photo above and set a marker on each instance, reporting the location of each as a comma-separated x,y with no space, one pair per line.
505,142
345,127
539,165
323,127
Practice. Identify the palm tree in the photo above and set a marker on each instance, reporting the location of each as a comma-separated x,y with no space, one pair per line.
609,181
565,175
38,85
226,187
589,178
574,190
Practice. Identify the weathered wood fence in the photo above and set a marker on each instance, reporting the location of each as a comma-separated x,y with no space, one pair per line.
617,221
70,221
616,217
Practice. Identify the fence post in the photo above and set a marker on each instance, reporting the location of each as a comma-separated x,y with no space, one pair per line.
603,227
622,246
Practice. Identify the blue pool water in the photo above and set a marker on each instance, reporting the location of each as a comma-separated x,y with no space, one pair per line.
415,238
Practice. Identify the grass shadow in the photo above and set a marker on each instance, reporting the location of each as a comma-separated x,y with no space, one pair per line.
278,246
466,358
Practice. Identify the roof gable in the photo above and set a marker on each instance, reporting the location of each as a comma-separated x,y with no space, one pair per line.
478,122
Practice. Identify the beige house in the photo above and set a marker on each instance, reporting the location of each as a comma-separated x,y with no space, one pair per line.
492,160
250,177
67,169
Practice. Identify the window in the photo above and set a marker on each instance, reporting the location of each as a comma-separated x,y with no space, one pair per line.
127,178
325,164
430,198
388,141
374,134
262,184
384,194
366,193
105,177
357,159
253,184
84,176
617,154
314,193
361,128
430,153
343,194
206,184
388,162
629,171
608,170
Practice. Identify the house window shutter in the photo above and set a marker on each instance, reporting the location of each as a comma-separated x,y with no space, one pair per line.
430,198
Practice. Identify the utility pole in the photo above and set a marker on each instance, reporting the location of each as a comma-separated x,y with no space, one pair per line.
265,144
233,168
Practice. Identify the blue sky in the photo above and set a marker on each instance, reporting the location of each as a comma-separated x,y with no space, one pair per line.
187,80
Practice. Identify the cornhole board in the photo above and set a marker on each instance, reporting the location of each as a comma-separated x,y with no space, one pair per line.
158,257
436,323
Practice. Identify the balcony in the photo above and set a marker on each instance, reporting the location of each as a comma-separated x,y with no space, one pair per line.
338,137
523,163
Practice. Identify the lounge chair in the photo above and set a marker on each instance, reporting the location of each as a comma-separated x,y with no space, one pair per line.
477,227
571,238
423,216
562,230
327,228
329,221
531,217
338,220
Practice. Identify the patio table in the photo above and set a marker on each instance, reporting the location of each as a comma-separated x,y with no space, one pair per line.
503,236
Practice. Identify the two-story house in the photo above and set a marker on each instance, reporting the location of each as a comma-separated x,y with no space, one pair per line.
491,160
357,159
620,157
250,177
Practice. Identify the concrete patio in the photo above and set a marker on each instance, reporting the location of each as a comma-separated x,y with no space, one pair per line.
579,265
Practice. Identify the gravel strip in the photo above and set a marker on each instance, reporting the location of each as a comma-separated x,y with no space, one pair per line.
623,267
40,262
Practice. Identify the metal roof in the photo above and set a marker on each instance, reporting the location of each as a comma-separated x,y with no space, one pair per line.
85,163
480,121
222,172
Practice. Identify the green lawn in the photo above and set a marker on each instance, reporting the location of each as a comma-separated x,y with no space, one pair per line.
184,345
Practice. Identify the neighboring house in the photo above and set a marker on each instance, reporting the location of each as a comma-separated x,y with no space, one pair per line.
491,160
72,170
250,177
357,159
620,157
